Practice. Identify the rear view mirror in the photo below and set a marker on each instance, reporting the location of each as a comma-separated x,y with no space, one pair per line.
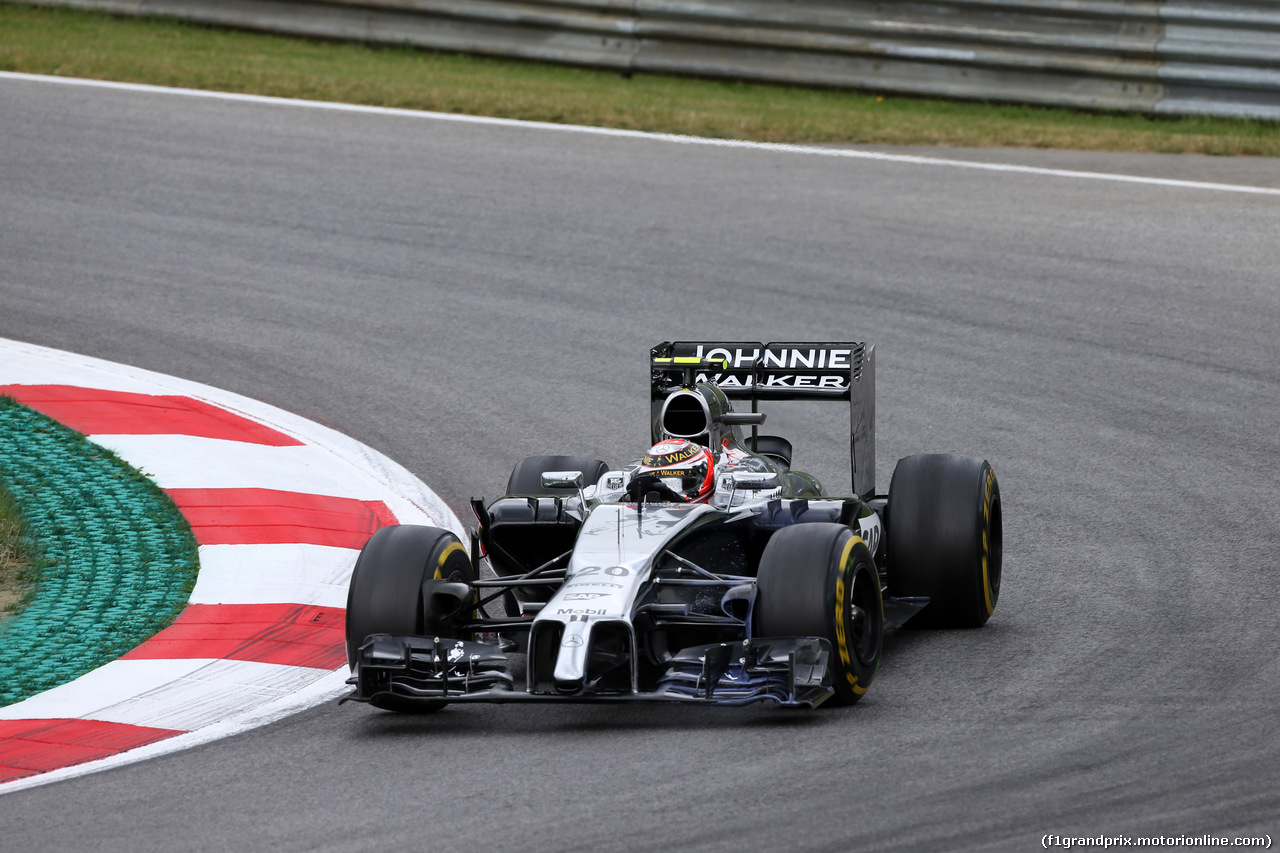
562,480
752,481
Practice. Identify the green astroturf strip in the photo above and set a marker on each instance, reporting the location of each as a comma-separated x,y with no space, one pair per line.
116,559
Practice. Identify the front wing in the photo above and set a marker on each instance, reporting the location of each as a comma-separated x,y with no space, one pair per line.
788,671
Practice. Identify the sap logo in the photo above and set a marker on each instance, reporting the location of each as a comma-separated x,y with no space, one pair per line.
870,530
583,596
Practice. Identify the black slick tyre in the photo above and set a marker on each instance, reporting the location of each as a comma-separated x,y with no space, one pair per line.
819,580
945,538
390,592
526,478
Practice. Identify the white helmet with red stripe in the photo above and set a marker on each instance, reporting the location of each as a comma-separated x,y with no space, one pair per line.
685,468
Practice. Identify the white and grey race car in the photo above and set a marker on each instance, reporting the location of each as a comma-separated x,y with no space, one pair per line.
708,571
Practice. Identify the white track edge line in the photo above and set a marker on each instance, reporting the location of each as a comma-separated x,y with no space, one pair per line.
639,134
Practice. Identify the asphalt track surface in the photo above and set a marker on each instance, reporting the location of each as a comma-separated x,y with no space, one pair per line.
459,296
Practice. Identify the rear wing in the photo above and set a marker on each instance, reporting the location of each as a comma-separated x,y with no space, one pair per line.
747,370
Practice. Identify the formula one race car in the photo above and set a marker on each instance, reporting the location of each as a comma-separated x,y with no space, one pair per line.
708,571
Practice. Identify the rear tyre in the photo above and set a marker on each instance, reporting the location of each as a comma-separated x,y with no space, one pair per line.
819,580
526,479
390,593
945,538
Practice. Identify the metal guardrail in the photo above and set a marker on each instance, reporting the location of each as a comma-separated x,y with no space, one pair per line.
1176,57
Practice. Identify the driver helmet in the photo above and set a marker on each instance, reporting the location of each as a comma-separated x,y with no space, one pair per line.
685,468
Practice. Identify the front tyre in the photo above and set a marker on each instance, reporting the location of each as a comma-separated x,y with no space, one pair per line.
945,538
819,580
391,592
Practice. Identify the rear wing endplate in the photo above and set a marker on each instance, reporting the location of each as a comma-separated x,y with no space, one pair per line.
782,371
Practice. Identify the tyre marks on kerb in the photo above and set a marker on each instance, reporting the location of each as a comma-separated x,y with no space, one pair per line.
279,506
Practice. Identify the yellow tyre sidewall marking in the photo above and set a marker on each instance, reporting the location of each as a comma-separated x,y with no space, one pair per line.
841,638
444,556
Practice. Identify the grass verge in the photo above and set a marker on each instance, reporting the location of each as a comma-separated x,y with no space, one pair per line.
19,561
17,576
72,43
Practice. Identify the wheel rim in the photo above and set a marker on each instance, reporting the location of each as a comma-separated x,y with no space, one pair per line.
864,616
